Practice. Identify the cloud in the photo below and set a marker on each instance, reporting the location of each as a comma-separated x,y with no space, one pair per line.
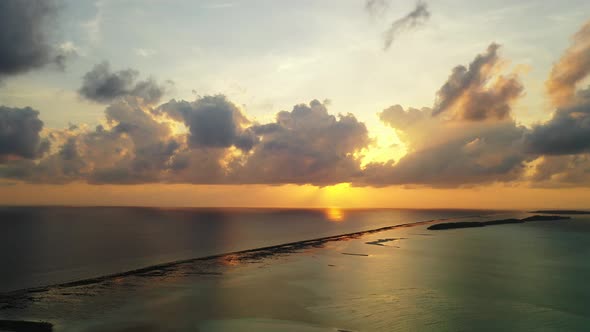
567,132
571,69
103,86
306,145
25,35
562,171
140,145
415,18
469,137
213,121
19,134
449,153
475,142
131,147
144,52
220,145
479,92
136,144
414,125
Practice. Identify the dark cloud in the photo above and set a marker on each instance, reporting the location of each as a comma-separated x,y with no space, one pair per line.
25,41
101,85
104,86
19,133
413,19
479,92
567,132
571,69
149,90
306,145
213,122
134,148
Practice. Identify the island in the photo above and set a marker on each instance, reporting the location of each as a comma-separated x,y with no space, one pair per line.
561,212
25,326
470,224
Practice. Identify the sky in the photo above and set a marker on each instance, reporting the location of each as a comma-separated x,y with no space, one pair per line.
348,103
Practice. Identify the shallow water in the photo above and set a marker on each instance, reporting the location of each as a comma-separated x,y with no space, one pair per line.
520,277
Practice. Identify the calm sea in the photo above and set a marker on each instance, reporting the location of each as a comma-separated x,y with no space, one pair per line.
516,277
47,245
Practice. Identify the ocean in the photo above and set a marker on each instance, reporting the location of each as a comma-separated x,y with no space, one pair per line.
519,277
48,245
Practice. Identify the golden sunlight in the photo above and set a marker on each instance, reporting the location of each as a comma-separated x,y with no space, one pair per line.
334,214
335,195
386,145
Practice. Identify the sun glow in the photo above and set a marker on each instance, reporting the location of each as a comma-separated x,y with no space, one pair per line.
334,214
337,189
386,145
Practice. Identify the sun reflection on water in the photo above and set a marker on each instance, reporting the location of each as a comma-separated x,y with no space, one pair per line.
334,214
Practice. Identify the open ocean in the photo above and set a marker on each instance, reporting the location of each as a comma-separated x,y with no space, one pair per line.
521,277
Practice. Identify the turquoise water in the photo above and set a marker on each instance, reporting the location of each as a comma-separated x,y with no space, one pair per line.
521,277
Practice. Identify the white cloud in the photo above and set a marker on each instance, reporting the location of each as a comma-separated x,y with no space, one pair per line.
145,52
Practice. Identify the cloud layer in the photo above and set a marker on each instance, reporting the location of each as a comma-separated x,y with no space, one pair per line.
564,140
467,137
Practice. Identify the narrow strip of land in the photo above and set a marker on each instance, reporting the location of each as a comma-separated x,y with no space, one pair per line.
25,326
470,224
561,212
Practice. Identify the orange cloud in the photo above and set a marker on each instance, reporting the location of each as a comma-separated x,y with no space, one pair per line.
572,68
